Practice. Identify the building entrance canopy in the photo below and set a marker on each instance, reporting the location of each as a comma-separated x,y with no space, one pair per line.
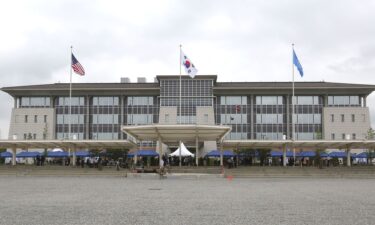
172,134
77,144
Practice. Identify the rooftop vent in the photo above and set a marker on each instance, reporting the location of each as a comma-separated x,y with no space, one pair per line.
125,80
141,79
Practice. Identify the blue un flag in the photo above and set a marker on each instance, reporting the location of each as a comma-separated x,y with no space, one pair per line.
297,63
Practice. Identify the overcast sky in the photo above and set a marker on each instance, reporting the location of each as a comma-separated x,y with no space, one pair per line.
237,40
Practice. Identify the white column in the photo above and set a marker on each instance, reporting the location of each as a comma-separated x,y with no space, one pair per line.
14,151
284,155
348,157
196,150
221,154
74,156
160,150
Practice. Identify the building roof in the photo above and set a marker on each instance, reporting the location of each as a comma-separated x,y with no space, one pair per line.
219,88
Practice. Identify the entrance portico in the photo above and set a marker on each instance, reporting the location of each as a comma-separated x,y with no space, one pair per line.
173,134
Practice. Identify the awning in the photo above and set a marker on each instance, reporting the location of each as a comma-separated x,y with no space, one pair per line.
151,153
216,153
172,134
6,155
57,154
28,154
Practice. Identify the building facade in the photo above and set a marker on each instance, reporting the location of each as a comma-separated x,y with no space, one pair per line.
254,110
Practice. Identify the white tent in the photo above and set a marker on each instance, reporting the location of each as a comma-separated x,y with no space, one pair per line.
184,151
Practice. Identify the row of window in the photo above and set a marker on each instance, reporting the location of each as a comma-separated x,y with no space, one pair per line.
224,100
352,118
30,136
35,119
344,136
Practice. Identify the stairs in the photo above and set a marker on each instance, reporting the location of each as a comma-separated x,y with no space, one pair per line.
367,172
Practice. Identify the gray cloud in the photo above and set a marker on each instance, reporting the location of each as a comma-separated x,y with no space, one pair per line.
238,40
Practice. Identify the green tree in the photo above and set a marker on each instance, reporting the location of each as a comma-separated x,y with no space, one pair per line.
370,152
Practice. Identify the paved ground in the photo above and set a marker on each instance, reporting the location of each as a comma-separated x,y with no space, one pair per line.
88,200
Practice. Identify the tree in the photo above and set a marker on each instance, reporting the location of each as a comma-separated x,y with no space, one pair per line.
370,152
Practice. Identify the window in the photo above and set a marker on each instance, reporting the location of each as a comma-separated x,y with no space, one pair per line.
132,100
343,136
45,118
35,118
167,118
44,136
332,118
353,118
363,117
342,118
34,136
269,100
24,136
205,118
105,101
233,100
333,136
354,136
26,118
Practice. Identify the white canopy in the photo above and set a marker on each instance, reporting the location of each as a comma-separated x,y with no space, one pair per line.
184,151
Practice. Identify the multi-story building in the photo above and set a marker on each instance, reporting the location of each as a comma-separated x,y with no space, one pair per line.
254,110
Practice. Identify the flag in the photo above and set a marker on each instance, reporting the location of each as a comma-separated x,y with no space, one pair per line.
77,67
297,63
188,65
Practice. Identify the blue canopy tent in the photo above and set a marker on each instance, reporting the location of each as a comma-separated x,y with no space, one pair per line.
28,154
362,155
6,155
216,153
307,154
57,154
143,153
324,155
83,154
339,154
248,154
280,154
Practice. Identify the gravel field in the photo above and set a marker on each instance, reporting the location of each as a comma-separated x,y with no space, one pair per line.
88,200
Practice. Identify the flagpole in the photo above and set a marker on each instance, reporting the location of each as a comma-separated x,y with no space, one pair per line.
70,93
293,128
180,107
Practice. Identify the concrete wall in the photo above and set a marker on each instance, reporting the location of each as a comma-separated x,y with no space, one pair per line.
205,115
18,125
172,115
360,126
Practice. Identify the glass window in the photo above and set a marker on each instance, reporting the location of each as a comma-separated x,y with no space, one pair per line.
354,136
35,118
138,119
342,118
35,102
306,100
353,118
76,101
233,118
233,100
26,118
343,136
332,118
45,118
105,118
134,100
269,100
333,136
269,118
105,101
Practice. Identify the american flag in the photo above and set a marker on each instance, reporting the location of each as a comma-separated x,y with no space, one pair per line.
77,67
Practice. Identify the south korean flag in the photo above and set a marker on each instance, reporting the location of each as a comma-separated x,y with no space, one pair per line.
188,65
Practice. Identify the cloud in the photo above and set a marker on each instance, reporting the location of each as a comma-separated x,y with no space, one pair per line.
238,40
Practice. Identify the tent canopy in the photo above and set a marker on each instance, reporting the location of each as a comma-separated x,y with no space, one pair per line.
28,154
6,155
216,153
57,154
143,153
184,151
